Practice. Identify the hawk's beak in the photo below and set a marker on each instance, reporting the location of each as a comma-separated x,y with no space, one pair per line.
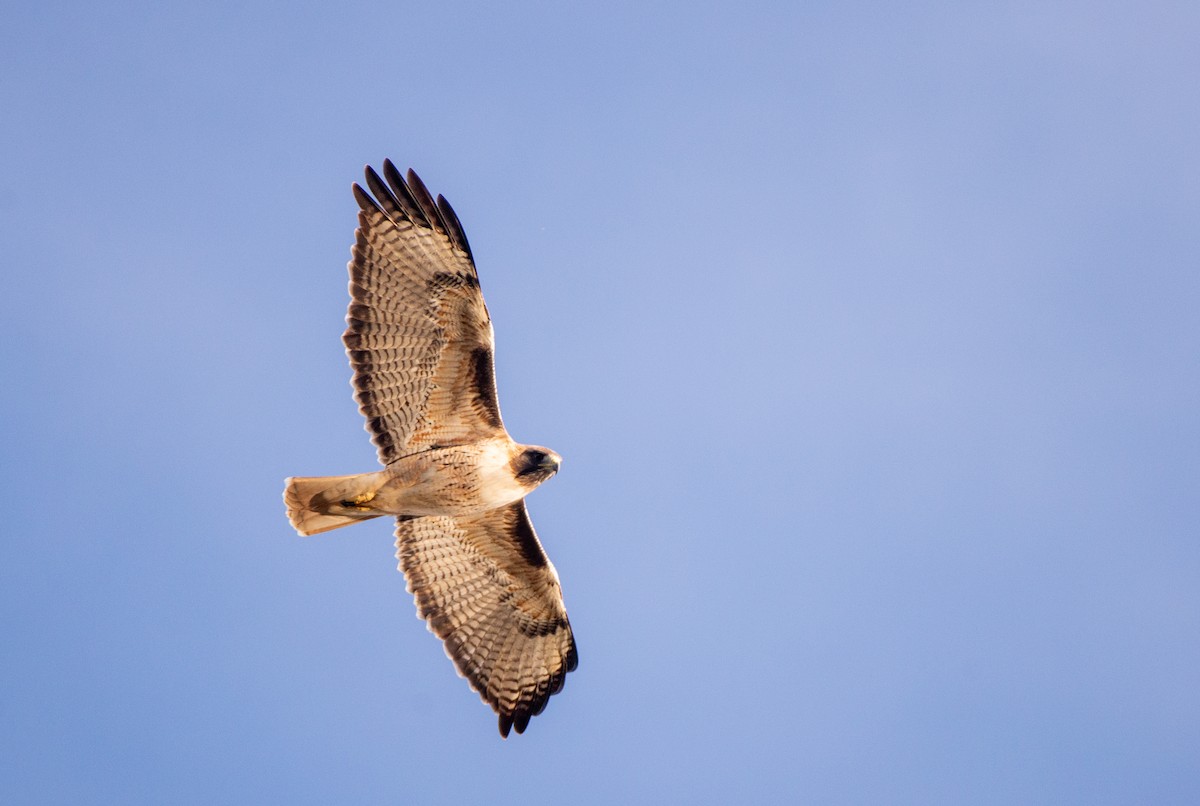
550,462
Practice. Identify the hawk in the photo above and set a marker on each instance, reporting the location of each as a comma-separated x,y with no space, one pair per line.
420,343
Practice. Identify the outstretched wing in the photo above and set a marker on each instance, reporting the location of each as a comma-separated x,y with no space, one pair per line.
489,592
419,336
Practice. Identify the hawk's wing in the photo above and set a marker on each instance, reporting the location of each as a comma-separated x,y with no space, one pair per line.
419,335
490,593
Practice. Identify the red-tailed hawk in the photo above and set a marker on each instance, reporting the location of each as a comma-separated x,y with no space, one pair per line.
420,342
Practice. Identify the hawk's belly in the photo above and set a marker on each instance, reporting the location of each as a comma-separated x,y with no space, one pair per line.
460,480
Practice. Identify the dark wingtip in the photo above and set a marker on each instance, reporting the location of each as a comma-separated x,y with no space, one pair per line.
384,199
506,722
414,208
453,225
521,720
364,199
425,200
415,180
400,199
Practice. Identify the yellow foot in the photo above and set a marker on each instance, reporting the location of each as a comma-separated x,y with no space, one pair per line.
359,502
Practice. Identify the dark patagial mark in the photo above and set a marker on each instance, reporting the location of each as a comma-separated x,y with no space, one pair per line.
527,540
484,376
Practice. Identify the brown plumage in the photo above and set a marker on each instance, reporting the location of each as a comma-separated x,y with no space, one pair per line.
420,342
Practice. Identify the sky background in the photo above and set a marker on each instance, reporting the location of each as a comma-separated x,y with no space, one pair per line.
870,334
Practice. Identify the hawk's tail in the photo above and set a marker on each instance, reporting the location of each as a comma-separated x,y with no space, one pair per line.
317,504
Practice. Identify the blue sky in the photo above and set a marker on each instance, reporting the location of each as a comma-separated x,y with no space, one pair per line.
868,334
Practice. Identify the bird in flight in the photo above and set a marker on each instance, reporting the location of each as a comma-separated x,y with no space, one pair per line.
420,343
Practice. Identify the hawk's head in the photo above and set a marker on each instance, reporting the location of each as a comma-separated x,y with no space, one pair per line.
532,465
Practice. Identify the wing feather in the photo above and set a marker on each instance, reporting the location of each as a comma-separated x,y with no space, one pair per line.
405,195
418,332
421,195
487,589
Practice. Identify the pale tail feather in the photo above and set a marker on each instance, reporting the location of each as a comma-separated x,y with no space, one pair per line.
318,504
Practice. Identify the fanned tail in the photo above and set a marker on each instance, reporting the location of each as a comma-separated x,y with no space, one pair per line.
318,504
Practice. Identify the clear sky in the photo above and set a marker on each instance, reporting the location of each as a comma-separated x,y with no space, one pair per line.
870,335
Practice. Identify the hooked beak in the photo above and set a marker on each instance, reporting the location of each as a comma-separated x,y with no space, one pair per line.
551,462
